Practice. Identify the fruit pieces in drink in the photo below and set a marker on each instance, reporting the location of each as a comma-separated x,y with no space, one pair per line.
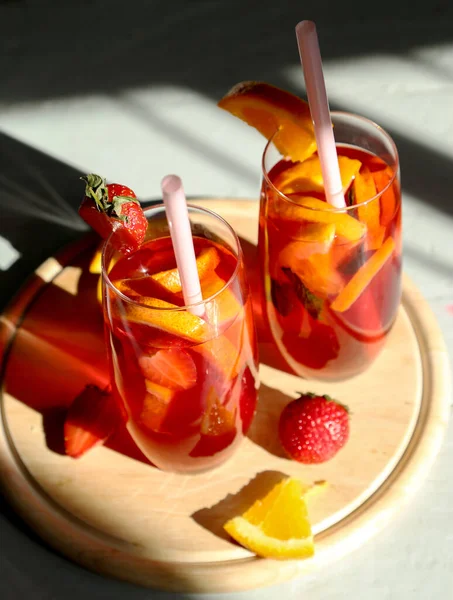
361,279
276,526
197,394
306,177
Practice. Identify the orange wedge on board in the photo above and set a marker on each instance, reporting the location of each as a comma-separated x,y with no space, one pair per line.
304,208
270,109
207,261
363,189
276,526
307,176
362,278
176,322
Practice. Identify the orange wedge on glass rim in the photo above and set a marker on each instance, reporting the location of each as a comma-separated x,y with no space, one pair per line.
307,176
270,109
276,526
359,281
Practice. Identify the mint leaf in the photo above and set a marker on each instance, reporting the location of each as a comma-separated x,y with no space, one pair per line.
312,303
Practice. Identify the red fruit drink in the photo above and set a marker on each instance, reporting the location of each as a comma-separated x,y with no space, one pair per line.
332,277
187,385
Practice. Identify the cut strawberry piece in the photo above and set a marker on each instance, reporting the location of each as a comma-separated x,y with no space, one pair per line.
91,419
113,208
173,368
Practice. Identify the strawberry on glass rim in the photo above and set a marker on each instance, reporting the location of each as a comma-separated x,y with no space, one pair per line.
113,208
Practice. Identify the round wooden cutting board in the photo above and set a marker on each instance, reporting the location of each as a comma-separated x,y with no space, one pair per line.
116,514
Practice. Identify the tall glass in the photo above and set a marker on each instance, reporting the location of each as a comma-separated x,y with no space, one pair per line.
186,384
332,277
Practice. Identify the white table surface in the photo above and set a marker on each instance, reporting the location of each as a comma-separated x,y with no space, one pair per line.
129,91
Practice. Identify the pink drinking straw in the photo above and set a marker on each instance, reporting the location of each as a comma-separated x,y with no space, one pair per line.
310,56
181,237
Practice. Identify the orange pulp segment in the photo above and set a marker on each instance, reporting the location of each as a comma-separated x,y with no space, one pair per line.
387,200
176,322
223,307
163,393
223,354
307,176
217,419
364,188
154,410
318,274
363,276
276,526
315,238
207,261
305,208
270,109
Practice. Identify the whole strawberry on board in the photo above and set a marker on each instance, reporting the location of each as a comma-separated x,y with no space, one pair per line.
312,428
114,208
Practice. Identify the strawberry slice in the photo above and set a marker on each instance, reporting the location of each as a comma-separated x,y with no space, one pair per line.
113,208
173,368
90,420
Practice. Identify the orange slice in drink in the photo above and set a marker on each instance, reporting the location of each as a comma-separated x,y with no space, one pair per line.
176,322
163,393
388,199
363,276
225,306
270,109
304,208
319,275
221,352
276,526
307,176
207,261
217,419
363,189
315,238
155,405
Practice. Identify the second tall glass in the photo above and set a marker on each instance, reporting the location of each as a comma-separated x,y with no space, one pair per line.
332,277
